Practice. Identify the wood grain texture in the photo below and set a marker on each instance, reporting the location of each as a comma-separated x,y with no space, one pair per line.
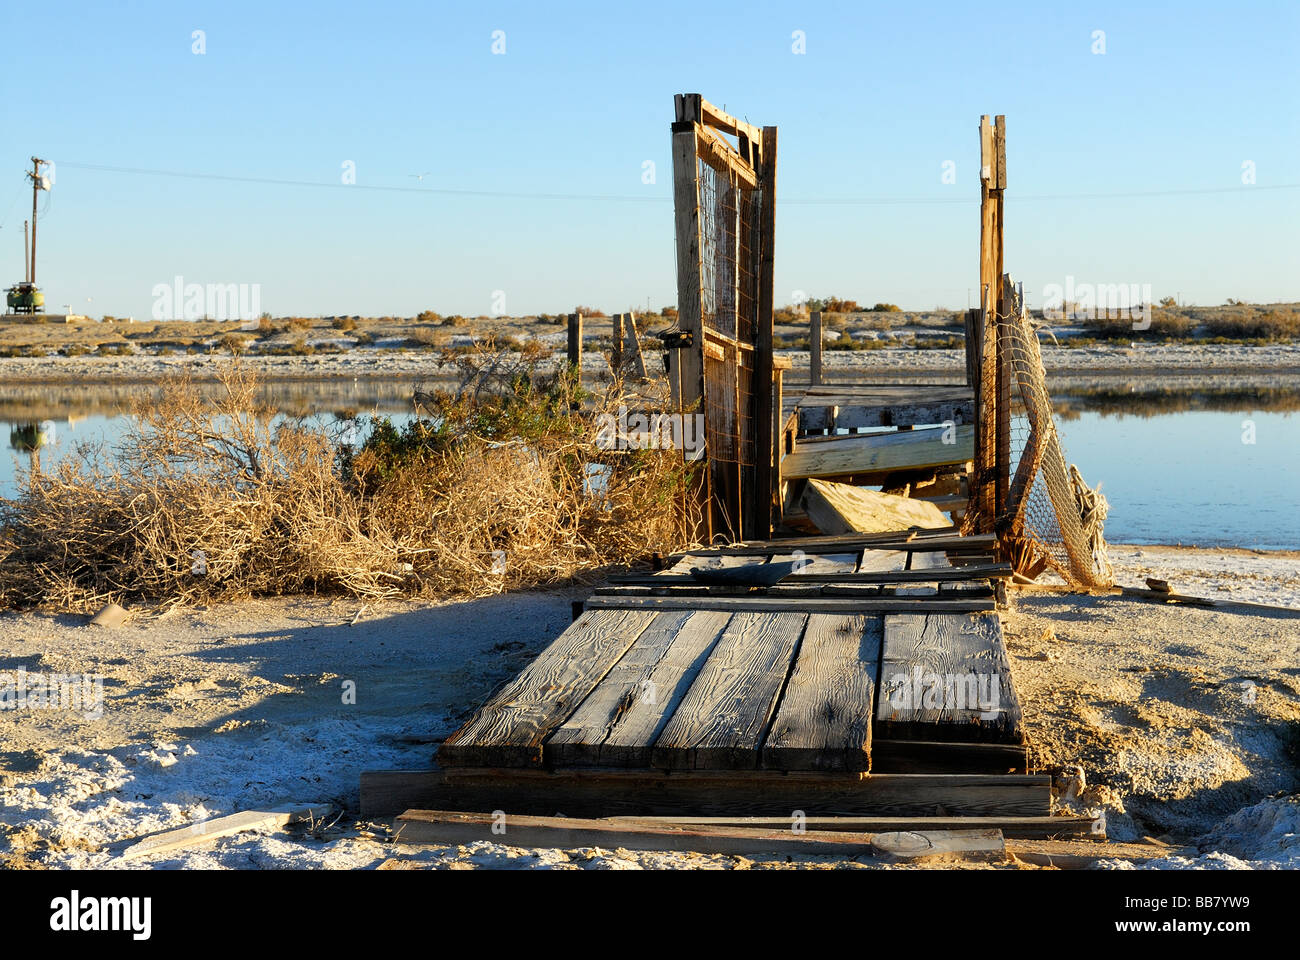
873,452
793,604
584,792
721,722
824,719
946,677
510,729
816,565
620,719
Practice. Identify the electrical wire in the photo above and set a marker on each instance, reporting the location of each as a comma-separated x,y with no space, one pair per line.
659,198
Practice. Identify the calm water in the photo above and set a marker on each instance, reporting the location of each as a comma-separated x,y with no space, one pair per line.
1175,471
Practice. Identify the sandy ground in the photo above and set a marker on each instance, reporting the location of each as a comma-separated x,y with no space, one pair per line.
1186,721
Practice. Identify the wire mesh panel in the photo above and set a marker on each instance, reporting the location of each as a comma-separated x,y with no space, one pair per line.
729,211
1055,516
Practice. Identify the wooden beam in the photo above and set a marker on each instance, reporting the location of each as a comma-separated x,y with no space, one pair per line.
454,828
866,453
779,604
842,508
977,572
687,216
765,502
939,756
584,792
720,155
1050,827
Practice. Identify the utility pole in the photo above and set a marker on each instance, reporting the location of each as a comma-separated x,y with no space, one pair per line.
35,177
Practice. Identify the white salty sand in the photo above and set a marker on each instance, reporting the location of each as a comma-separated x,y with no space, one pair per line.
235,707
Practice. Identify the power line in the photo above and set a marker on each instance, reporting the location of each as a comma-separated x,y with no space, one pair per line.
657,198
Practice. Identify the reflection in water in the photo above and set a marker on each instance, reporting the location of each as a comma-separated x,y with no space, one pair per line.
30,437
1171,456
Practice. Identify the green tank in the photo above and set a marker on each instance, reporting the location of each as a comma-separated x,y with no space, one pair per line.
24,298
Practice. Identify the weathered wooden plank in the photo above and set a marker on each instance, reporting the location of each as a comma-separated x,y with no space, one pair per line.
721,722
687,563
946,677
778,604
209,831
948,540
617,723
926,756
688,361
452,828
815,565
825,715
915,846
875,452
1027,827
882,561
585,792
843,508
510,729
847,412
932,560
940,573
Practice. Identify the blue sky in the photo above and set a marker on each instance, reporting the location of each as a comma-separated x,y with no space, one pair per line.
582,97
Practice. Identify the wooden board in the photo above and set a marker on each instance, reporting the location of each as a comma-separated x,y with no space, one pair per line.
512,726
584,792
622,717
883,561
843,508
876,452
813,566
946,677
778,604
721,722
1028,827
824,719
919,573
846,406
210,831
452,828
927,756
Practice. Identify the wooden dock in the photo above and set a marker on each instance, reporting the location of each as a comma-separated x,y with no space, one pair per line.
871,680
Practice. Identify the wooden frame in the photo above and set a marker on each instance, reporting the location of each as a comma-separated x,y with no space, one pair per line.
742,499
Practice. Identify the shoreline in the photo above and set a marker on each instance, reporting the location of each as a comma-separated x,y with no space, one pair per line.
1153,360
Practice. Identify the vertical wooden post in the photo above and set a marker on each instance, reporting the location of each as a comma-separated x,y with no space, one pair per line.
815,348
767,382
575,342
989,391
616,353
630,345
686,204
972,321
688,360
